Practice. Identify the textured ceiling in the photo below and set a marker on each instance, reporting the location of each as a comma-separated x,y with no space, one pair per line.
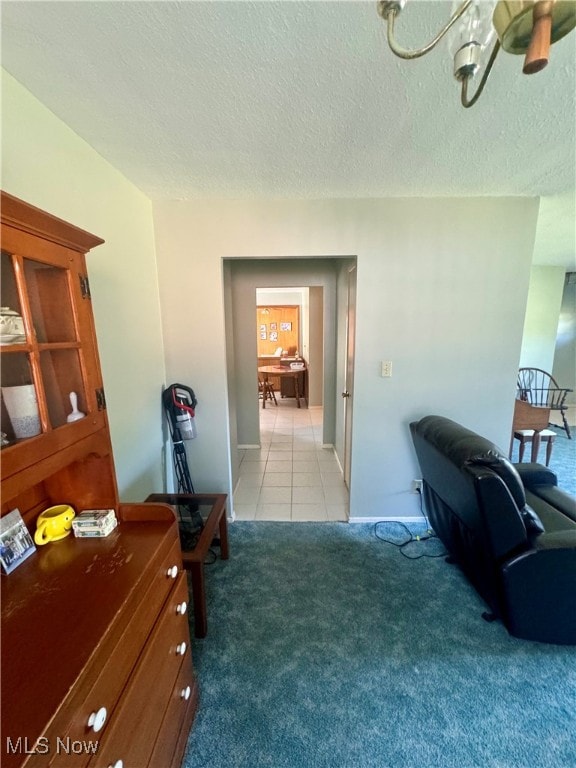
296,99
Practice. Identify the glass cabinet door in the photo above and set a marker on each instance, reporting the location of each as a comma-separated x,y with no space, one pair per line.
45,367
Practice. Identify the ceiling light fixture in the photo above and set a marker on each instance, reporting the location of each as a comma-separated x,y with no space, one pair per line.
526,27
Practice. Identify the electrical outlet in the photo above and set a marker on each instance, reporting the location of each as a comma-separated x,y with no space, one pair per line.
386,369
416,486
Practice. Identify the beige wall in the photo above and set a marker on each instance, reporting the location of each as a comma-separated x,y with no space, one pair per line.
564,369
442,286
49,166
541,321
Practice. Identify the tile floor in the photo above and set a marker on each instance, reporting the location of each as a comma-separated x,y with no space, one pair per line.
291,477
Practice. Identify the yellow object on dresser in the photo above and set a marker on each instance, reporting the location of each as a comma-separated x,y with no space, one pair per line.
54,523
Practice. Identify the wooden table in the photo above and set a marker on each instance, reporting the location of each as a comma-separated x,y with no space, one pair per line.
212,508
284,371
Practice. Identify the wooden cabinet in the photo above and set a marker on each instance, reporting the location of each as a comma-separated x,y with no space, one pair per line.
96,658
288,385
44,281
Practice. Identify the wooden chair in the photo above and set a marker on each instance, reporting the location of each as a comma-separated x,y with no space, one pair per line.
528,425
266,391
539,388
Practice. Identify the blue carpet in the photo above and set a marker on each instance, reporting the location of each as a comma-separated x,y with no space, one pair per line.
327,648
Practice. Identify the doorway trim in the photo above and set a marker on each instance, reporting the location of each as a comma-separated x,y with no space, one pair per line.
241,277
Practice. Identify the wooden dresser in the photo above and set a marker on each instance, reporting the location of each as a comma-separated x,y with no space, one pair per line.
96,657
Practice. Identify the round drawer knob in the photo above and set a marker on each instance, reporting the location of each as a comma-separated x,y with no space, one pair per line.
185,693
117,764
181,649
181,608
97,719
172,572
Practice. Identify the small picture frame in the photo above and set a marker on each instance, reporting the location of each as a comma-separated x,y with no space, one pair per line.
273,335
16,543
263,335
285,326
273,326
263,328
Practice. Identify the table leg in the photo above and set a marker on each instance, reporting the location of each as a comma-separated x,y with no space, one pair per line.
199,597
549,449
535,446
223,525
297,389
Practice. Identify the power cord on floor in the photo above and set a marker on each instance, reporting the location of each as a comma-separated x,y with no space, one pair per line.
412,538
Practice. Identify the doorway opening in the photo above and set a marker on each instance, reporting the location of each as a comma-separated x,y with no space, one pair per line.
268,438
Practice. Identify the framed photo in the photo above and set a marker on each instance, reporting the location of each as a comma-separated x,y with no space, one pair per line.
273,326
16,544
285,326
263,329
273,335
263,335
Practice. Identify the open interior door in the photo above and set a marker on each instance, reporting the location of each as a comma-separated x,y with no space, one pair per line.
349,373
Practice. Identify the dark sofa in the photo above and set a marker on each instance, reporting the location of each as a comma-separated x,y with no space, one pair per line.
509,528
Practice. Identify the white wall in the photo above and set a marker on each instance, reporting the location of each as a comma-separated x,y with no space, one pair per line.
442,286
313,350
564,370
49,166
541,320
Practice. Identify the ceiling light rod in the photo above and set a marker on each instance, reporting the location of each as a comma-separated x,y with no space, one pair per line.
389,9
465,77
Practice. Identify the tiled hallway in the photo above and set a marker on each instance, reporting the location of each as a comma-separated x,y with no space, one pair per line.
291,477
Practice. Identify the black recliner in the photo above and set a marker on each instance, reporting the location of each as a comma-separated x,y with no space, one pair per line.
508,527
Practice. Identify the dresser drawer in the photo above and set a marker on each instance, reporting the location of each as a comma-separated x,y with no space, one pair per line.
135,722
97,706
177,720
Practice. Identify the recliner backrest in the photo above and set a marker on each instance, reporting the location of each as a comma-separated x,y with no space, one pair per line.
454,462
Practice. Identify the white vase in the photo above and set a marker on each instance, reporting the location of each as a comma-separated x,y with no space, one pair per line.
22,407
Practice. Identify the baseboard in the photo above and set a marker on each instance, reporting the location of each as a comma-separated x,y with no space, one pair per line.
341,468
411,519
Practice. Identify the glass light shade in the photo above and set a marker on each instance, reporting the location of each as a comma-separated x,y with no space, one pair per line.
474,27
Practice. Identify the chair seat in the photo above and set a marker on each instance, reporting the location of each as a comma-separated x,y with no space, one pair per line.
527,436
529,433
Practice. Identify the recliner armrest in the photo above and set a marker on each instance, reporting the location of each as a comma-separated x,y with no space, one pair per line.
533,475
556,540
558,499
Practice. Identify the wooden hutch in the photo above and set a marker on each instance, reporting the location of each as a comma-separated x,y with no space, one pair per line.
96,657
